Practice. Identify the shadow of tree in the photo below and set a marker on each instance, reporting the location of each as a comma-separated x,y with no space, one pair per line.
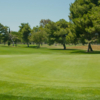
32,47
85,52
77,51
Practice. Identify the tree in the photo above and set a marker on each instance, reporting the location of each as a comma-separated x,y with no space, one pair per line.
57,32
39,35
85,16
25,32
60,36
63,32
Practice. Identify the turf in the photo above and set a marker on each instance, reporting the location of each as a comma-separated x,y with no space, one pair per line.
48,74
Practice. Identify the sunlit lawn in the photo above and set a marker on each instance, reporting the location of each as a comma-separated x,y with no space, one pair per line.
48,74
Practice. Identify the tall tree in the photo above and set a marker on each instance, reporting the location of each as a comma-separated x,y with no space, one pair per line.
25,32
85,14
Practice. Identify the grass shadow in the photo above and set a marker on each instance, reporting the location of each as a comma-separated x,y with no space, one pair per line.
31,47
12,97
77,51
63,49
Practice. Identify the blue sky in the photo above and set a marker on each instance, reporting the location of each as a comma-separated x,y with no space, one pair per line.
15,12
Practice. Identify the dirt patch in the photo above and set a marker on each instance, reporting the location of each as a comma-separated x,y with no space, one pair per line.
94,47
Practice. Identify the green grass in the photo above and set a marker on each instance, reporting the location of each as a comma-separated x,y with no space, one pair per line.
48,74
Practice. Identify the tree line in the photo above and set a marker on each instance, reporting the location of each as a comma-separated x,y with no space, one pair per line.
47,32
83,27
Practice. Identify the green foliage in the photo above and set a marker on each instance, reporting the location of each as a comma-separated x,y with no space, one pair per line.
62,23
60,35
85,15
71,37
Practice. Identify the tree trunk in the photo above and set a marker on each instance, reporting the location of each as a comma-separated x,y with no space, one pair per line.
27,44
8,43
89,47
0,41
64,46
64,42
